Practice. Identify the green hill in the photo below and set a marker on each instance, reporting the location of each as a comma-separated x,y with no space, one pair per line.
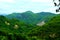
31,18
13,28
49,31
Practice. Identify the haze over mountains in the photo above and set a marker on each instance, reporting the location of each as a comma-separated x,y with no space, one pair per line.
30,17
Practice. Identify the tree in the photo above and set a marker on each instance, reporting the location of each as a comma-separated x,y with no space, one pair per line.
57,5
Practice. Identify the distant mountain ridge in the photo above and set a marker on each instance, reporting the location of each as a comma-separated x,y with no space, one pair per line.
32,18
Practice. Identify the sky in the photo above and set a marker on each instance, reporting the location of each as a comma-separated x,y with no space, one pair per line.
10,6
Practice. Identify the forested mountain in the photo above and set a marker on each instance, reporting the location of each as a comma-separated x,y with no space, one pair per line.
49,31
16,29
13,29
29,17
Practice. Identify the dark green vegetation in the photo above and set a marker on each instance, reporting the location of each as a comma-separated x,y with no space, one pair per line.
12,29
49,31
16,29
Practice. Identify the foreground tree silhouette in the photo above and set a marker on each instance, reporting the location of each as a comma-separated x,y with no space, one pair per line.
57,5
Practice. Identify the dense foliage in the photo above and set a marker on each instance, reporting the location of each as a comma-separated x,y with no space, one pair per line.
14,29
50,31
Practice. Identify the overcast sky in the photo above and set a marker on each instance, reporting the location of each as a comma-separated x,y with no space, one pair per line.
10,6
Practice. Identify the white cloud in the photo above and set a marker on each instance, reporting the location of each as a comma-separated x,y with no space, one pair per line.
51,9
41,1
9,6
8,1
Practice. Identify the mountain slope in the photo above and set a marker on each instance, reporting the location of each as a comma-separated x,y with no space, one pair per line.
49,31
32,18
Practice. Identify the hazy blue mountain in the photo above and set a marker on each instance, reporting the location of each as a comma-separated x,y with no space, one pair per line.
32,18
